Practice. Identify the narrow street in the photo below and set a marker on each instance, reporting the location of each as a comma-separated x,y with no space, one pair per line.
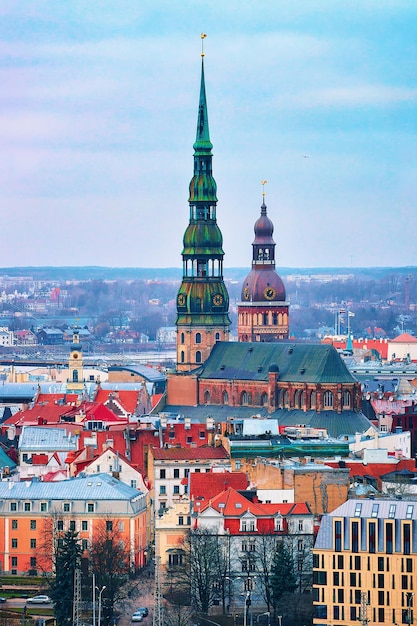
141,593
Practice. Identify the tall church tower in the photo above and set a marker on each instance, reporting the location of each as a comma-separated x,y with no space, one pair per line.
75,382
202,299
263,311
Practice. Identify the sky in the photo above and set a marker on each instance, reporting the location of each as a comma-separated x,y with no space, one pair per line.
98,114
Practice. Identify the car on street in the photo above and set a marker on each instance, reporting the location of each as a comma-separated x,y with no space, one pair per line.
3,600
144,610
137,617
39,600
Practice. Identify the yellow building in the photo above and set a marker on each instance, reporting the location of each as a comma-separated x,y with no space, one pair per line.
365,564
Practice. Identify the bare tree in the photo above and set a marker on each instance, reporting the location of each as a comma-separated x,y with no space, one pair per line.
206,563
110,562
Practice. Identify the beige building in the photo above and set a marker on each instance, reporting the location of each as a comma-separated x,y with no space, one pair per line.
365,564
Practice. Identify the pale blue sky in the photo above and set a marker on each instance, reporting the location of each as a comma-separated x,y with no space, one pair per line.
98,111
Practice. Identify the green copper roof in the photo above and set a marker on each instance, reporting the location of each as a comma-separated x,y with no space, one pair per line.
202,140
295,362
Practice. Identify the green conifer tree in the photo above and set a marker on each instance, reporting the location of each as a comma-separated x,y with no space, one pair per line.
283,579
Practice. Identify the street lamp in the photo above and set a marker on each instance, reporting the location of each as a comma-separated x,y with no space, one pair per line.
279,620
100,591
410,596
269,617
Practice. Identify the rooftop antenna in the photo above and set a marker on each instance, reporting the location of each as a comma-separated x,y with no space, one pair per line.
203,36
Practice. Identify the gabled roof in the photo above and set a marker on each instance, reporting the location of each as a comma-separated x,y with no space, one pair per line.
404,338
295,362
231,503
184,454
127,399
95,411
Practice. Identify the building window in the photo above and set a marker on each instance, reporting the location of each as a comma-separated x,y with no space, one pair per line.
181,520
264,399
217,337
244,398
84,544
60,524
14,561
109,526
372,537
300,525
176,472
33,561
198,356
346,399
67,507
388,538
248,525
375,508
72,525
14,524
406,539
176,490
358,509
338,536
182,337
409,513
44,507
328,399
33,543
133,483
32,524
202,434
175,559
206,397
162,490
225,397
90,507
162,473
84,525
392,509
355,537
182,356
14,543
27,506
198,337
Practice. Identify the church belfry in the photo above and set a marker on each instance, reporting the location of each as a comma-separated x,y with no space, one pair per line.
263,313
202,299
75,382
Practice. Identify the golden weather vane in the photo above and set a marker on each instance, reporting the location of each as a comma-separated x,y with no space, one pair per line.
203,36
263,183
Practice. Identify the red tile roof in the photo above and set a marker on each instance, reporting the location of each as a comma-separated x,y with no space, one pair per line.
128,399
183,454
404,338
208,485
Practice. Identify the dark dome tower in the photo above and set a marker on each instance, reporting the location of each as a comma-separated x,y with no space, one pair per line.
263,311
202,299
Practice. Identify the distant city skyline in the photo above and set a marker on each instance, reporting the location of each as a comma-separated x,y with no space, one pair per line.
98,114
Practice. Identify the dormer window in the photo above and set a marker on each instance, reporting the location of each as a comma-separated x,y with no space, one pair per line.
248,525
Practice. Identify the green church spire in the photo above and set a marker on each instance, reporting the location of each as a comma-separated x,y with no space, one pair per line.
202,140
202,300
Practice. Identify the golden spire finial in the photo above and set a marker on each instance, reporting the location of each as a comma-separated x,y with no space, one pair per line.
203,36
263,183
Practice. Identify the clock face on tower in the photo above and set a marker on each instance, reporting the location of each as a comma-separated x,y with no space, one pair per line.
270,293
75,355
181,299
217,299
